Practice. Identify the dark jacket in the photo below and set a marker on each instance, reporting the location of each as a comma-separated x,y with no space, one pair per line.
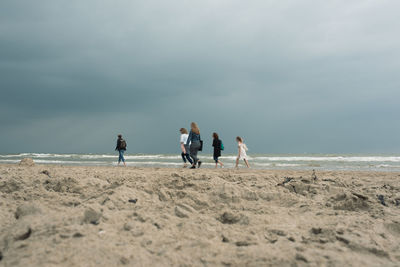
118,147
193,137
217,147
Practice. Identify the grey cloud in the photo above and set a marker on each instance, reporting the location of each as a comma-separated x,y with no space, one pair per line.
289,76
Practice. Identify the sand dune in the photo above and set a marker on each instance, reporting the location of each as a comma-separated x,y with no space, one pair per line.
109,216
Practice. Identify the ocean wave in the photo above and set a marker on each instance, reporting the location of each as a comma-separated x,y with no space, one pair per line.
263,164
153,163
71,162
224,157
277,164
102,156
387,166
327,162
45,155
163,163
88,156
228,157
288,165
8,161
128,156
151,157
335,159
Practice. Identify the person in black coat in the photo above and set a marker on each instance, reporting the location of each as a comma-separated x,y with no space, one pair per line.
217,144
121,147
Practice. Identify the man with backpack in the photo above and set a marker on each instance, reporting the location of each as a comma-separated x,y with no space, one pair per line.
121,147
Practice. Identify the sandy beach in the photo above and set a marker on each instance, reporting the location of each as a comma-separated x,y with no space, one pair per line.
113,216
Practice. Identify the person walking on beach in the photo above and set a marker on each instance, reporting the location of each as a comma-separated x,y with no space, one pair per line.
218,146
121,147
185,148
195,144
242,148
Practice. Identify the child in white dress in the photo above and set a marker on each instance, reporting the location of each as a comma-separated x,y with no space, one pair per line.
242,152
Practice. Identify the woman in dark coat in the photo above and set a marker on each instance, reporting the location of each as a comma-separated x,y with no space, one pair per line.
195,144
217,144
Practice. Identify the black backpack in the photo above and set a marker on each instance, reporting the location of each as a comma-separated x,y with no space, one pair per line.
122,144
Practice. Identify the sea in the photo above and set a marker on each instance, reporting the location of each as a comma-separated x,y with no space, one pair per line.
387,163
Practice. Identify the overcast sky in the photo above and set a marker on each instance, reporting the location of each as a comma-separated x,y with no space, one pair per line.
298,76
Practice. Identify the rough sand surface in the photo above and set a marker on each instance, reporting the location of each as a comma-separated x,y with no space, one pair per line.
87,216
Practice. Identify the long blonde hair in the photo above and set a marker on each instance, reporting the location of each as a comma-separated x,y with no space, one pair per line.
194,128
240,139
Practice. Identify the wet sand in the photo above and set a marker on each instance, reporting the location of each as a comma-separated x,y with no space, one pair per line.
114,216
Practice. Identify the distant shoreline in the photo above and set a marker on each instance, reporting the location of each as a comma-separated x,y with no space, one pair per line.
388,163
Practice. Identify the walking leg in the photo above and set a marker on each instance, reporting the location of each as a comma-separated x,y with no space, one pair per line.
247,163
188,158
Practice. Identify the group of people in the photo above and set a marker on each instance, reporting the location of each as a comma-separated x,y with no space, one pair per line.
191,144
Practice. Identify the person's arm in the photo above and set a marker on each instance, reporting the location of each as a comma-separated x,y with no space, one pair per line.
182,142
238,151
183,148
118,144
189,138
213,143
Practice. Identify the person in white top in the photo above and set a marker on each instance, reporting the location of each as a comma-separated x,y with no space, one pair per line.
242,148
184,147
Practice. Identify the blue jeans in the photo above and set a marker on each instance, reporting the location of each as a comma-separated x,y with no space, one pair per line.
186,157
194,148
121,156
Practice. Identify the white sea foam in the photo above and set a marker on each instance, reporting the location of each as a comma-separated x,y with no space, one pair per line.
225,157
95,156
164,163
387,166
262,164
336,159
137,157
45,155
153,163
287,165
328,162
276,164
71,162
8,161
10,156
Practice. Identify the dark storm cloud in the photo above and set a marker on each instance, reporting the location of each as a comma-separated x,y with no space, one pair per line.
289,76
